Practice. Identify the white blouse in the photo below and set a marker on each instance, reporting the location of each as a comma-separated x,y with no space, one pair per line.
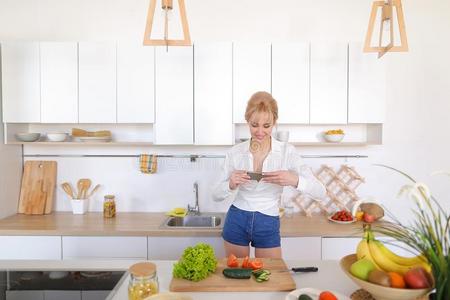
263,196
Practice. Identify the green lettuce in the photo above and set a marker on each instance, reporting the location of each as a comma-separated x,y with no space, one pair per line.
196,263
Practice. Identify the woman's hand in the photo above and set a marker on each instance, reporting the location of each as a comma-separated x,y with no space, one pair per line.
237,178
283,178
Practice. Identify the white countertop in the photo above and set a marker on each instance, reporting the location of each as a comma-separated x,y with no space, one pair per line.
329,277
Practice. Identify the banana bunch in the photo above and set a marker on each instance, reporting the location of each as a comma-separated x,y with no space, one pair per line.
386,260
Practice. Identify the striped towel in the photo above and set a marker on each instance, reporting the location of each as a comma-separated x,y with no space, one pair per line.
148,163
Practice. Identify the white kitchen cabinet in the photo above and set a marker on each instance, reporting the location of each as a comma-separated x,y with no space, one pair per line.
30,247
135,83
303,248
366,86
66,295
59,82
24,295
21,82
328,96
171,248
213,99
174,120
94,295
334,248
98,247
290,81
251,73
97,82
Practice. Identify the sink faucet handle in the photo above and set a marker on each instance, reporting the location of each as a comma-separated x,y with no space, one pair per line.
195,208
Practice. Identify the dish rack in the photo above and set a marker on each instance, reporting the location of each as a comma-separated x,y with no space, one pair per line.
340,187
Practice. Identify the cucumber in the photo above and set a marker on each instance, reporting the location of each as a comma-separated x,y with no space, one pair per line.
261,275
237,273
304,297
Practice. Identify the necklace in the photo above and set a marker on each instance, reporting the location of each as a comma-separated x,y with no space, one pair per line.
256,147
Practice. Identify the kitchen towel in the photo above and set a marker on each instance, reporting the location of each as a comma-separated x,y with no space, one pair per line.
148,163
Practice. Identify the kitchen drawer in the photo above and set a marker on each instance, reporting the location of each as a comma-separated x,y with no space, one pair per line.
171,248
295,248
24,295
95,247
336,248
30,247
94,295
66,295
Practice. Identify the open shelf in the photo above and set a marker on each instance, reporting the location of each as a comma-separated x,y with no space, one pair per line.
83,143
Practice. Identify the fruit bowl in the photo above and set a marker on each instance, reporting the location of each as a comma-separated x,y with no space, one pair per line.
333,138
380,292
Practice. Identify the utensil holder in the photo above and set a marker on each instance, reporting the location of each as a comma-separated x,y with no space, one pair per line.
79,206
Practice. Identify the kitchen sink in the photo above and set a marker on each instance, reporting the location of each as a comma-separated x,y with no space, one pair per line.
203,220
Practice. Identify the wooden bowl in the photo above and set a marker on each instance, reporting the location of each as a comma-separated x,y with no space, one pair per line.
380,292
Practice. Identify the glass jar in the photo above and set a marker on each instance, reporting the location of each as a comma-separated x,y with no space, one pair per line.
109,206
143,281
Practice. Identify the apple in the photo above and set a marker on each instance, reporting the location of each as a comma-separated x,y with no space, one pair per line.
368,218
361,268
417,278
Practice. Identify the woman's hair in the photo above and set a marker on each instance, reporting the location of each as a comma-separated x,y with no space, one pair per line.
262,102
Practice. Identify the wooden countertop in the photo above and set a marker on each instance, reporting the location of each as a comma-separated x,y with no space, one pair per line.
148,224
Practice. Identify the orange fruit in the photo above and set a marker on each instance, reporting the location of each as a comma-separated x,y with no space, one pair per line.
359,215
397,280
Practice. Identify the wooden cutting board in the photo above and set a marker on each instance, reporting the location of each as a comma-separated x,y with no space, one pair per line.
280,280
38,187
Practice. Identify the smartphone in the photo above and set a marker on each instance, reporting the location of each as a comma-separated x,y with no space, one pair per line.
255,176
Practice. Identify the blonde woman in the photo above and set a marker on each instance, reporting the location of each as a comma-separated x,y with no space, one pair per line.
253,218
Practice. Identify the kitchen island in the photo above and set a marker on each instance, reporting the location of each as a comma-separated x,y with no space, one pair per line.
329,277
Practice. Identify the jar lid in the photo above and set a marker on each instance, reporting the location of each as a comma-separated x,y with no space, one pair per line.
143,269
109,196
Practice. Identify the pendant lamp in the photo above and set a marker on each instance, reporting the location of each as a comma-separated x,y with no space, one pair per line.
385,10
165,12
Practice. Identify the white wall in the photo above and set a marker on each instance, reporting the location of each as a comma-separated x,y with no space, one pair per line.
10,173
416,137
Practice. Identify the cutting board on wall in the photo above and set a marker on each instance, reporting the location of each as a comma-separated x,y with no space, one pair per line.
280,280
37,192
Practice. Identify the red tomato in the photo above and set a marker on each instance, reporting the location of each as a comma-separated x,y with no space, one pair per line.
232,261
255,264
326,295
245,262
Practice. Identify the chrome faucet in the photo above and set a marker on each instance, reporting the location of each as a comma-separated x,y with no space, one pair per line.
195,209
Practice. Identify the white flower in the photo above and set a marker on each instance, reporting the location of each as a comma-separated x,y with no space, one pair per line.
417,192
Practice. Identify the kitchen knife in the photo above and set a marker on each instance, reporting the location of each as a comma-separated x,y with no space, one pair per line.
305,269
301,270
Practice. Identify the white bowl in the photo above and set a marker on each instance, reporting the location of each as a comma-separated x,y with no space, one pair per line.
57,137
334,138
28,136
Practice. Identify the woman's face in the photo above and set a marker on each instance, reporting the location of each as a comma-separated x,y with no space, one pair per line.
261,124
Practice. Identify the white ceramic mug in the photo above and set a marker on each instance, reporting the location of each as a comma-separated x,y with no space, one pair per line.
283,136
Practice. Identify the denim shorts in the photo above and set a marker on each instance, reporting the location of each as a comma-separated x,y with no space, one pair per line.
244,227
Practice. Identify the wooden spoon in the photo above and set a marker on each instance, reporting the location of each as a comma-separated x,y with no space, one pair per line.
93,191
83,186
68,189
